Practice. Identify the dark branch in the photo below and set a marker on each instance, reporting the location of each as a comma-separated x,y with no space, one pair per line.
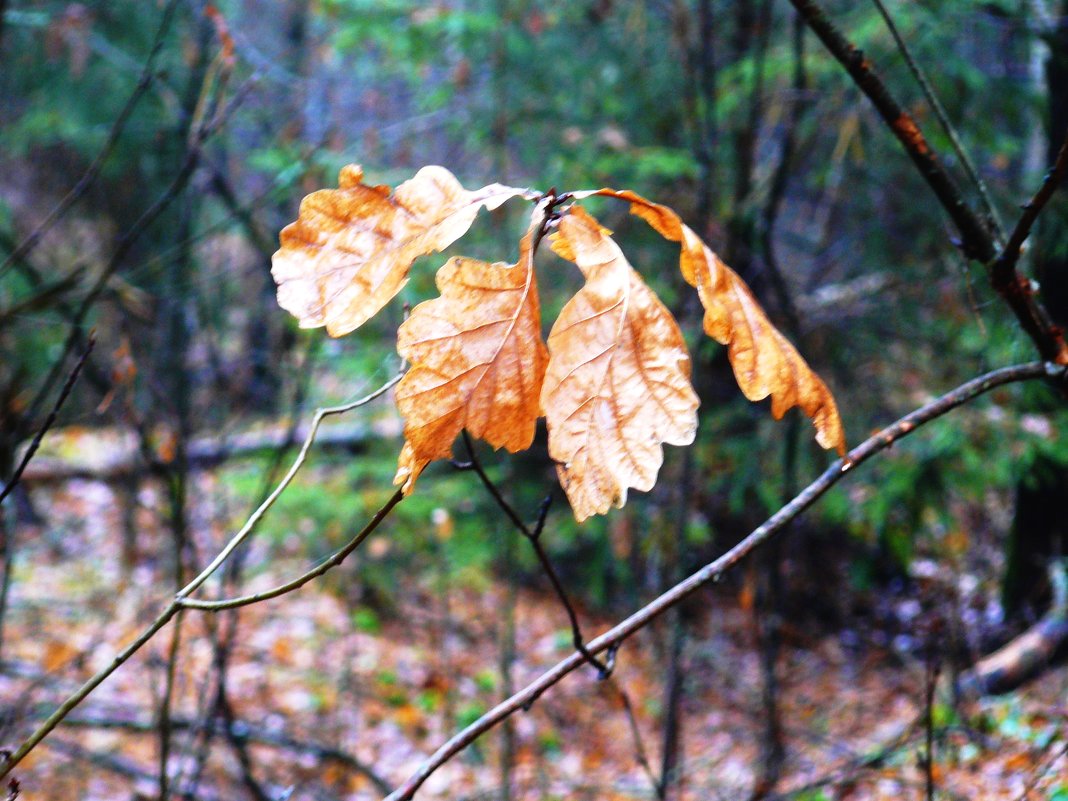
976,239
604,669
64,393
1005,266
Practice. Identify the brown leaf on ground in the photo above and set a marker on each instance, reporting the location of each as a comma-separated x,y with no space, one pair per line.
617,385
350,249
477,361
764,361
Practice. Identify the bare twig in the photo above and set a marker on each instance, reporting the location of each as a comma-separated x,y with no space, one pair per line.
282,589
91,172
640,753
714,570
64,393
943,118
604,669
250,524
181,599
1004,270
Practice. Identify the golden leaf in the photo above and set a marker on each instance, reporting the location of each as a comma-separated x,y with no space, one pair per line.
617,386
764,361
350,249
477,361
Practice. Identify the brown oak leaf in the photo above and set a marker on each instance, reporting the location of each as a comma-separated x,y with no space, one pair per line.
477,361
617,386
350,249
764,361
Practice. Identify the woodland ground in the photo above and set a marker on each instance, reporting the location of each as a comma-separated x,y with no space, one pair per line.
387,683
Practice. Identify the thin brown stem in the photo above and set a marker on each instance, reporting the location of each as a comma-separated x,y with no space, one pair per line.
714,571
604,669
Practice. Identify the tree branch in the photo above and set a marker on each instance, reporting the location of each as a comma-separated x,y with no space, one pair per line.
64,393
304,578
1004,270
604,669
976,239
80,188
714,570
943,118
181,599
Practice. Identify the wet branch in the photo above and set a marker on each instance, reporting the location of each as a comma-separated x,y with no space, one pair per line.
713,571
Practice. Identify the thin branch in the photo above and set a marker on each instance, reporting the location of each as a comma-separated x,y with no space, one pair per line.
604,669
181,599
976,238
713,571
91,172
304,578
64,393
1005,266
176,187
640,754
943,118
254,519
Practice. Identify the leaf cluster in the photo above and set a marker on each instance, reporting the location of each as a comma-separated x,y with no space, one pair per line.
613,377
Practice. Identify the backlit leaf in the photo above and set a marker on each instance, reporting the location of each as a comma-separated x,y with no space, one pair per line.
617,386
764,361
477,361
350,249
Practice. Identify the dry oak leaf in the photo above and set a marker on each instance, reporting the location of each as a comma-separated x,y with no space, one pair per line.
764,361
618,382
477,361
350,249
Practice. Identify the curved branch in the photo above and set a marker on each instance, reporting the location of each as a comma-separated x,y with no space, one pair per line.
714,570
304,578
250,524
180,599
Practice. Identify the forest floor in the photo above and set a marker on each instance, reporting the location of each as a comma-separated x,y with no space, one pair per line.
321,688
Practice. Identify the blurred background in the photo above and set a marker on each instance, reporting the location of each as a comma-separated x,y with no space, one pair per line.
151,151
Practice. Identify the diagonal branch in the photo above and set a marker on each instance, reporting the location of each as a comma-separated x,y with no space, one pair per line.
976,239
50,420
89,176
604,669
943,119
713,571
181,599
1004,270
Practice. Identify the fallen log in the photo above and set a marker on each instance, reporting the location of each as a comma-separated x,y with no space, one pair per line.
1029,654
